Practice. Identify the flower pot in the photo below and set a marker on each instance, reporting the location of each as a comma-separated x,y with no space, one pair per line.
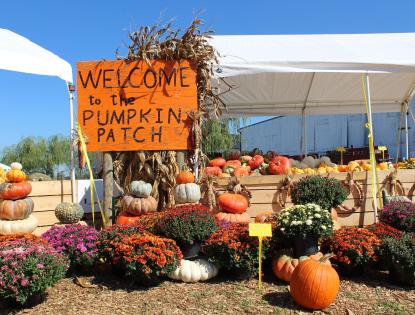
190,250
399,275
305,246
31,301
150,280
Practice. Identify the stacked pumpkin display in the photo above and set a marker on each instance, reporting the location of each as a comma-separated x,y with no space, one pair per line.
186,191
137,203
15,207
233,205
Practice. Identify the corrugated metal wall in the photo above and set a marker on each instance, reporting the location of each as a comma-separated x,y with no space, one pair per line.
324,133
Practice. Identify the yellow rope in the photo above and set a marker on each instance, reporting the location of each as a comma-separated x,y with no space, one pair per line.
371,148
91,178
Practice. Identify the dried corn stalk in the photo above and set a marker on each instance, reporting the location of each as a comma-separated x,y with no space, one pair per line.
164,43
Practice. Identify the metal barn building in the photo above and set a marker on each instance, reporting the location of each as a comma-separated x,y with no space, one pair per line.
283,133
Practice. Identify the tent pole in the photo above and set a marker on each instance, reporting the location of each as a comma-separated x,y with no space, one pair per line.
406,133
398,140
304,121
371,148
72,171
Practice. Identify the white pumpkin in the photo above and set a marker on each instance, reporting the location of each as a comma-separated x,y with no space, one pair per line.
16,166
18,226
187,193
311,162
194,271
294,163
140,189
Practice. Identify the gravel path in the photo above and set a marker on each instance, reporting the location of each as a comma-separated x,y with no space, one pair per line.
112,295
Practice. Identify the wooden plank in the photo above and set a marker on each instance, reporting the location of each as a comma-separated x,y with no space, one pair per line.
49,188
46,218
48,203
40,230
404,175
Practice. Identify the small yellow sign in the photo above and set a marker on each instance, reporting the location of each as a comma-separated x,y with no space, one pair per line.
340,149
382,148
260,229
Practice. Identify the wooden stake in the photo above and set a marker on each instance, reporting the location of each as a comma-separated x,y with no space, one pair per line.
108,176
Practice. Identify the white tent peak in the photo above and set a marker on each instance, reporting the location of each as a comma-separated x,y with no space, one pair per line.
17,53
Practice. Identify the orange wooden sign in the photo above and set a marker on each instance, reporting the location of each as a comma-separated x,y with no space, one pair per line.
127,106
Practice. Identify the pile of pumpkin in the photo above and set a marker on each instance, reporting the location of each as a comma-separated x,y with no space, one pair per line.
15,206
314,283
140,202
247,165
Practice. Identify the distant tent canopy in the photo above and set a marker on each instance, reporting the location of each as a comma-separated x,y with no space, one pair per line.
318,74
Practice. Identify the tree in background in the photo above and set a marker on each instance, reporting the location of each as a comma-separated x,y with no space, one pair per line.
220,135
46,156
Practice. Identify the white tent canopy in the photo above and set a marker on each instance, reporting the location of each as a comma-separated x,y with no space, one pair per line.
318,74
17,53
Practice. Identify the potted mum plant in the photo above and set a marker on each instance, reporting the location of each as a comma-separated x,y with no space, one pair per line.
232,249
146,257
400,215
303,225
189,225
399,254
354,249
28,268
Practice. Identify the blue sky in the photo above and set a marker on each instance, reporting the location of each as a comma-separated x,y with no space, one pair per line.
91,30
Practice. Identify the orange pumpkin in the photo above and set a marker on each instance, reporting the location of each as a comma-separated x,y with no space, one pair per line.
283,266
213,170
124,218
16,209
219,162
138,206
185,177
15,176
13,191
314,283
263,216
242,171
233,217
342,168
232,163
232,203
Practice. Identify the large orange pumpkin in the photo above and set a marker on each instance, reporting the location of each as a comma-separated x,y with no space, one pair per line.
283,266
219,162
314,283
16,209
138,206
13,191
232,203
279,165
233,217
124,218
185,177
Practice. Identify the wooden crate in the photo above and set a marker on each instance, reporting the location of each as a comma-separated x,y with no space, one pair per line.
46,196
265,191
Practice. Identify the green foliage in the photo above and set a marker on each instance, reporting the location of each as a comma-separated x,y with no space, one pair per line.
38,154
326,192
187,224
400,251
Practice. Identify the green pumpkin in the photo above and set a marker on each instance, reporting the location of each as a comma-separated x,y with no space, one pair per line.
68,212
140,189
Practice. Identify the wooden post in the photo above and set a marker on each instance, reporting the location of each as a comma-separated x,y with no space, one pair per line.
108,177
180,159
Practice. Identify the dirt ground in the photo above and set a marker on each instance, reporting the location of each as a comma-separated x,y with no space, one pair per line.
112,295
